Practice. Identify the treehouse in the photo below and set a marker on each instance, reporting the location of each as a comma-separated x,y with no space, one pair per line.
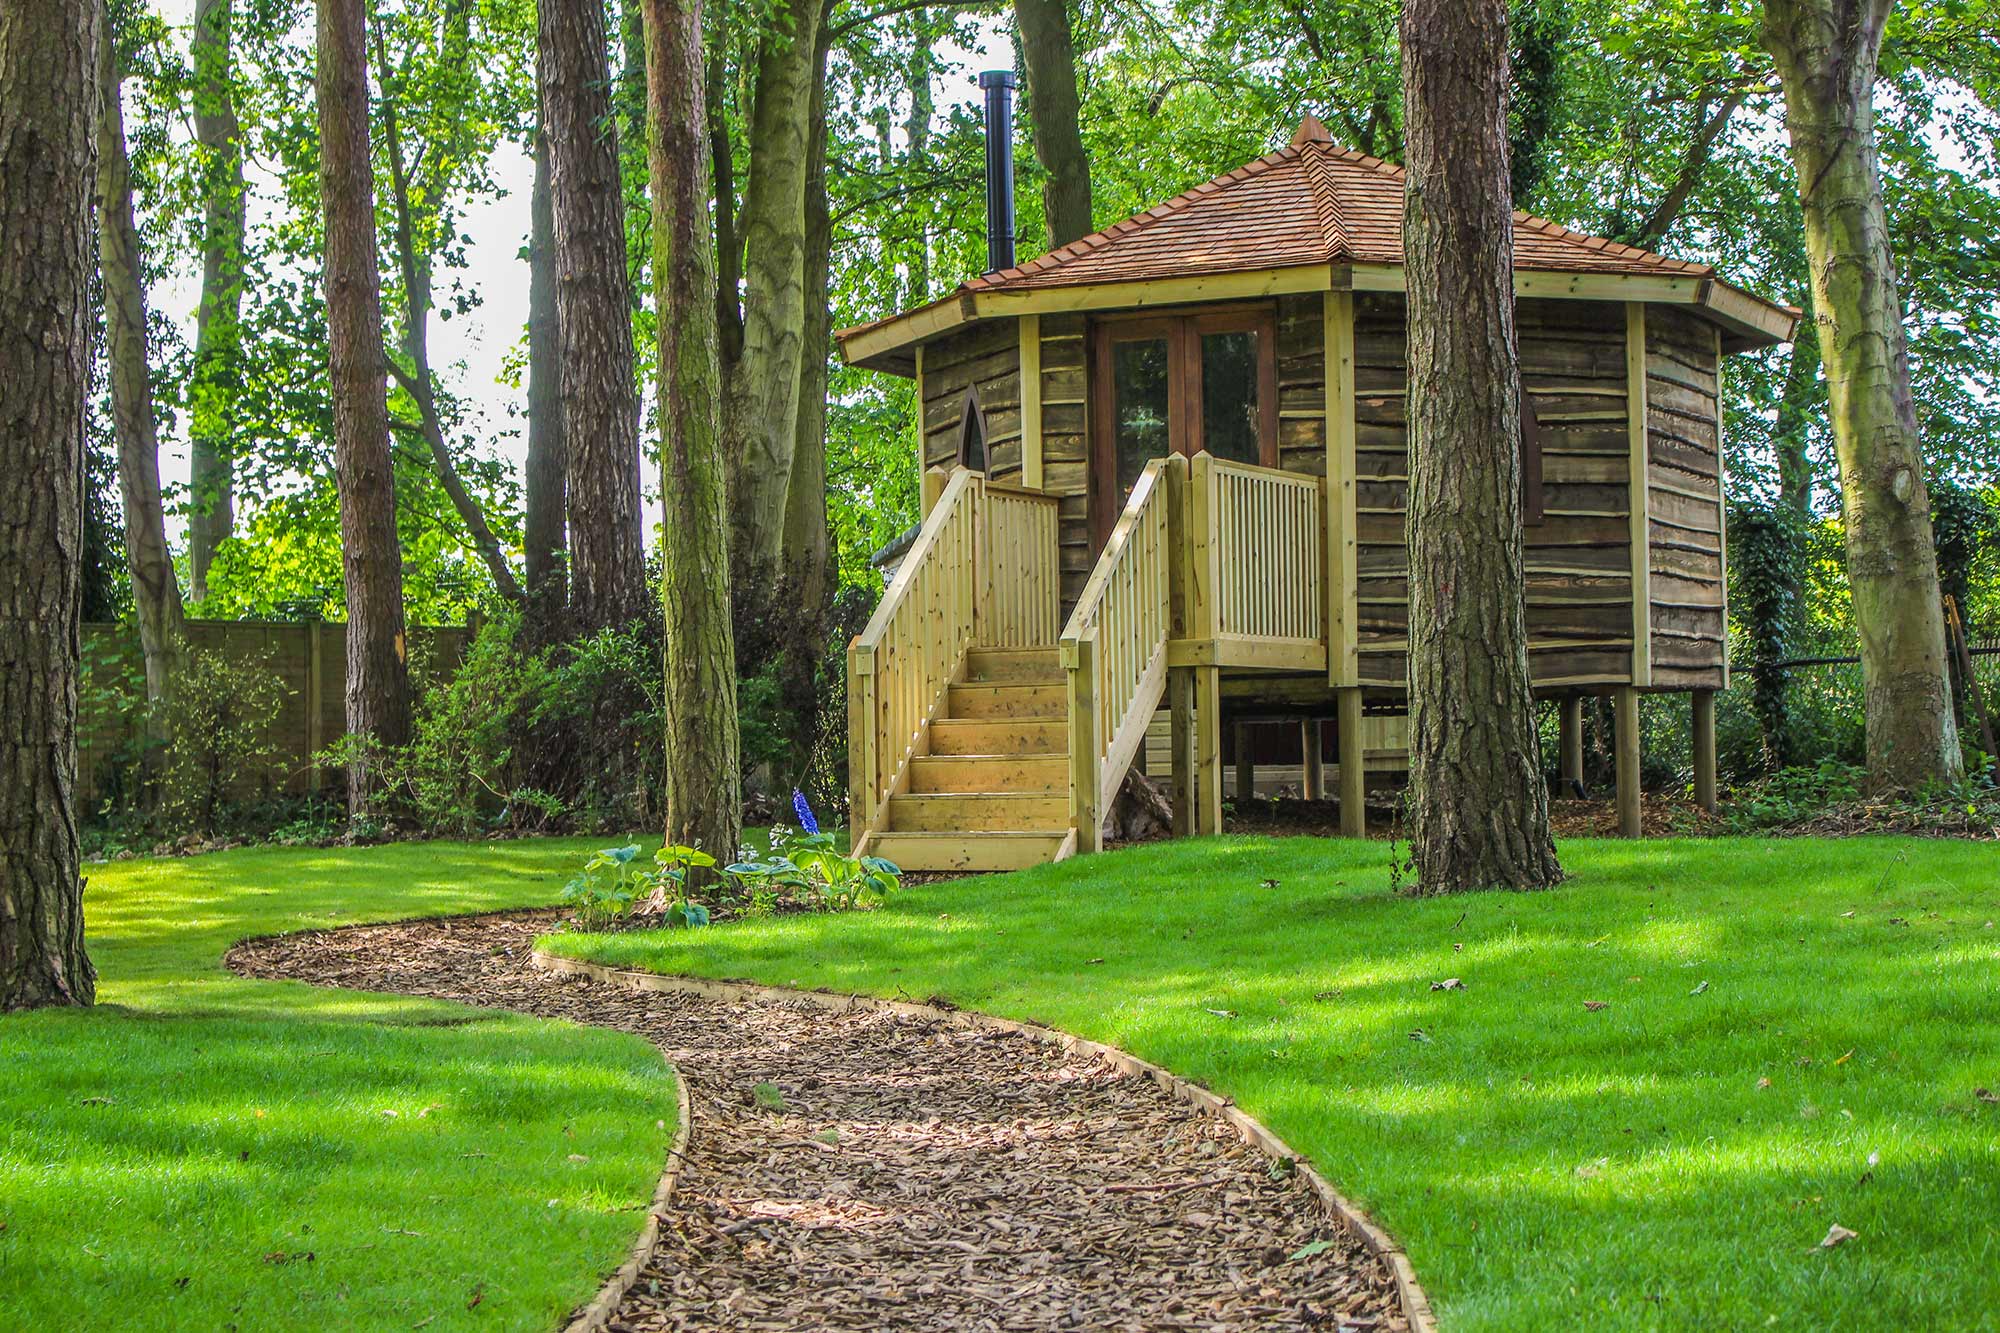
1164,476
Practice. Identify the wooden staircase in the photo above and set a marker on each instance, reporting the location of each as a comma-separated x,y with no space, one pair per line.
989,784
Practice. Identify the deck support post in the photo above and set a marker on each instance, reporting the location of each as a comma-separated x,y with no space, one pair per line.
1314,780
1180,711
1208,749
1625,703
1246,765
1353,765
1704,749
1570,729
1080,658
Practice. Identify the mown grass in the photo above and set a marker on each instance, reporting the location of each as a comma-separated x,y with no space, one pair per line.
206,1152
1794,1035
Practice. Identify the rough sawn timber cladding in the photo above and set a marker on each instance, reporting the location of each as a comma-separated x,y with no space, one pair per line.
985,358
1683,442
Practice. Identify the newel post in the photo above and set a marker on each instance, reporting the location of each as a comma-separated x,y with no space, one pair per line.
935,480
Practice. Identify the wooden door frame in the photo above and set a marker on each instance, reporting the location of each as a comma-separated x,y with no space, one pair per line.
1181,330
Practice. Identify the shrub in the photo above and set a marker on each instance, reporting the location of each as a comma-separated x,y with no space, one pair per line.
606,888
219,718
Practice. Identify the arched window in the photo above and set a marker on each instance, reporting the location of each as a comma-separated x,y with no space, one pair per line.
972,434
1531,462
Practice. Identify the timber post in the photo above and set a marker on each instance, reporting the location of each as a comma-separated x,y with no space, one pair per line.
1246,764
315,703
1080,662
861,734
1208,749
1180,709
1353,766
1313,783
1704,749
1625,701
1570,730
935,480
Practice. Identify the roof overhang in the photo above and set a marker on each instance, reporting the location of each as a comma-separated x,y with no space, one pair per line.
1747,321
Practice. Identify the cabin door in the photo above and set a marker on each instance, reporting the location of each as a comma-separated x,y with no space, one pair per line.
1179,383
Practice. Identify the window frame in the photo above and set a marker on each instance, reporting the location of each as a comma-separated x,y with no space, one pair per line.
1182,330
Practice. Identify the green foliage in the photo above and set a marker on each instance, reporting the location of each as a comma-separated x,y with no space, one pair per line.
678,866
811,868
1793,794
219,717
1765,571
607,887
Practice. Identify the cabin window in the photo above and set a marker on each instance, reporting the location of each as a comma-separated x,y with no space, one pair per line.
972,434
1164,384
1531,462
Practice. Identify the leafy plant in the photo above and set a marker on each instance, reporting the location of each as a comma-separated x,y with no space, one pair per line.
220,719
677,865
810,867
607,886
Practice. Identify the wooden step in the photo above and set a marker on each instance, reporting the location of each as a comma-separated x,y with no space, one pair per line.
1039,666
985,736
989,773
983,812
1024,701
967,851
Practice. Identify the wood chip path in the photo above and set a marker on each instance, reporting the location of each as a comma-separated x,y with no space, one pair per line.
909,1174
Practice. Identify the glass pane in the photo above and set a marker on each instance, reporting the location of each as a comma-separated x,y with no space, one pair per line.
1139,379
1229,407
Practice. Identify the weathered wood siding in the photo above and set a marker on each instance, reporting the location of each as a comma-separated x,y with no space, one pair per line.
1578,557
1302,384
1683,441
1065,442
985,358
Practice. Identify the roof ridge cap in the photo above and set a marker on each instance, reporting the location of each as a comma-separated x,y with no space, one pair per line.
1326,201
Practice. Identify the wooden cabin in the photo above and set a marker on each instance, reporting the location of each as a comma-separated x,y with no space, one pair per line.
1165,472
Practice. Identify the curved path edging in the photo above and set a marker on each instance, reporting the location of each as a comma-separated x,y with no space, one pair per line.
595,1317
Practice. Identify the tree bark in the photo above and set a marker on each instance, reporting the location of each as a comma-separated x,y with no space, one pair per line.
1048,49
547,552
378,692
762,387
49,107
1480,814
1826,52
218,339
156,590
593,299
703,785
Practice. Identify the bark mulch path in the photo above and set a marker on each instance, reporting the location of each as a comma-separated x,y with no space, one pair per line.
908,1174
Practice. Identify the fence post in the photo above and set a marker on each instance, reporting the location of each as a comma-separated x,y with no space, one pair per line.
315,704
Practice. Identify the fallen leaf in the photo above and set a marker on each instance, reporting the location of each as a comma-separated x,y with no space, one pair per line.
1986,1095
1699,989
1763,1082
1837,1235
478,1295
99,1101
1595,1005
1592,1170
1449,983
1270,884
1845,1058
1221,1013
578,1157
1089,962
1418,1034
1849,912
1308,1250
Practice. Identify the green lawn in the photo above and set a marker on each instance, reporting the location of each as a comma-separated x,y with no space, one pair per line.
205,1152
1795,1035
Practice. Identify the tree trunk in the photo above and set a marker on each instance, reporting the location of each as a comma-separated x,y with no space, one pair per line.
1795,412
49,90
594,313
548,459
378,689
218,338
156,590
1480,813
1826,54
703,786
762,404
1048,49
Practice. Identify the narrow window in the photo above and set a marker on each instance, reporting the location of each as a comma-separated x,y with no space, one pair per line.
972,434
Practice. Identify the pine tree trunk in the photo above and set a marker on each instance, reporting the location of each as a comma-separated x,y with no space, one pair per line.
1048,48
548,460
218,338
378,691
703,786
49,91
1826,53
1479,809
593,298
156,591
762,390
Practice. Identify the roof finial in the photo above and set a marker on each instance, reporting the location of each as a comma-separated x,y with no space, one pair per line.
1311,131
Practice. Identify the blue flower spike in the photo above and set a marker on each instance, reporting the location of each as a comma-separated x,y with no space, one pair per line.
803,808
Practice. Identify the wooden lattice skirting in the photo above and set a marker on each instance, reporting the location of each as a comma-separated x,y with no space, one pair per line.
595,1316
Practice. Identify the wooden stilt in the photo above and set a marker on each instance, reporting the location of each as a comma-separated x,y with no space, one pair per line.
1704,749
1571,730
1180,709
1353,766
1625,701
1246,766
1315,770
1208,749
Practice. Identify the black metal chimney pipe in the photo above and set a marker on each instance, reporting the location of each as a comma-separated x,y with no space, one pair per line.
999,85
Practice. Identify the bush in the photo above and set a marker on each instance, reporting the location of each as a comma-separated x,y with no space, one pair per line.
219,719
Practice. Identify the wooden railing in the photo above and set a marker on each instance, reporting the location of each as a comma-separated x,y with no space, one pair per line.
1020,575
1256,584
1114,648
983,570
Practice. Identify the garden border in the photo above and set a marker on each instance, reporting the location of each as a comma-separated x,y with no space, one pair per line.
1409,1293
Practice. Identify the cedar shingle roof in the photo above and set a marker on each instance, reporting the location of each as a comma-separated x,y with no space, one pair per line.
1307,203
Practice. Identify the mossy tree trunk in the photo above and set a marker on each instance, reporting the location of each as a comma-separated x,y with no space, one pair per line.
156,590
218,339
49,109
1479,816
378,687
1048,49
1826,53
703,787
